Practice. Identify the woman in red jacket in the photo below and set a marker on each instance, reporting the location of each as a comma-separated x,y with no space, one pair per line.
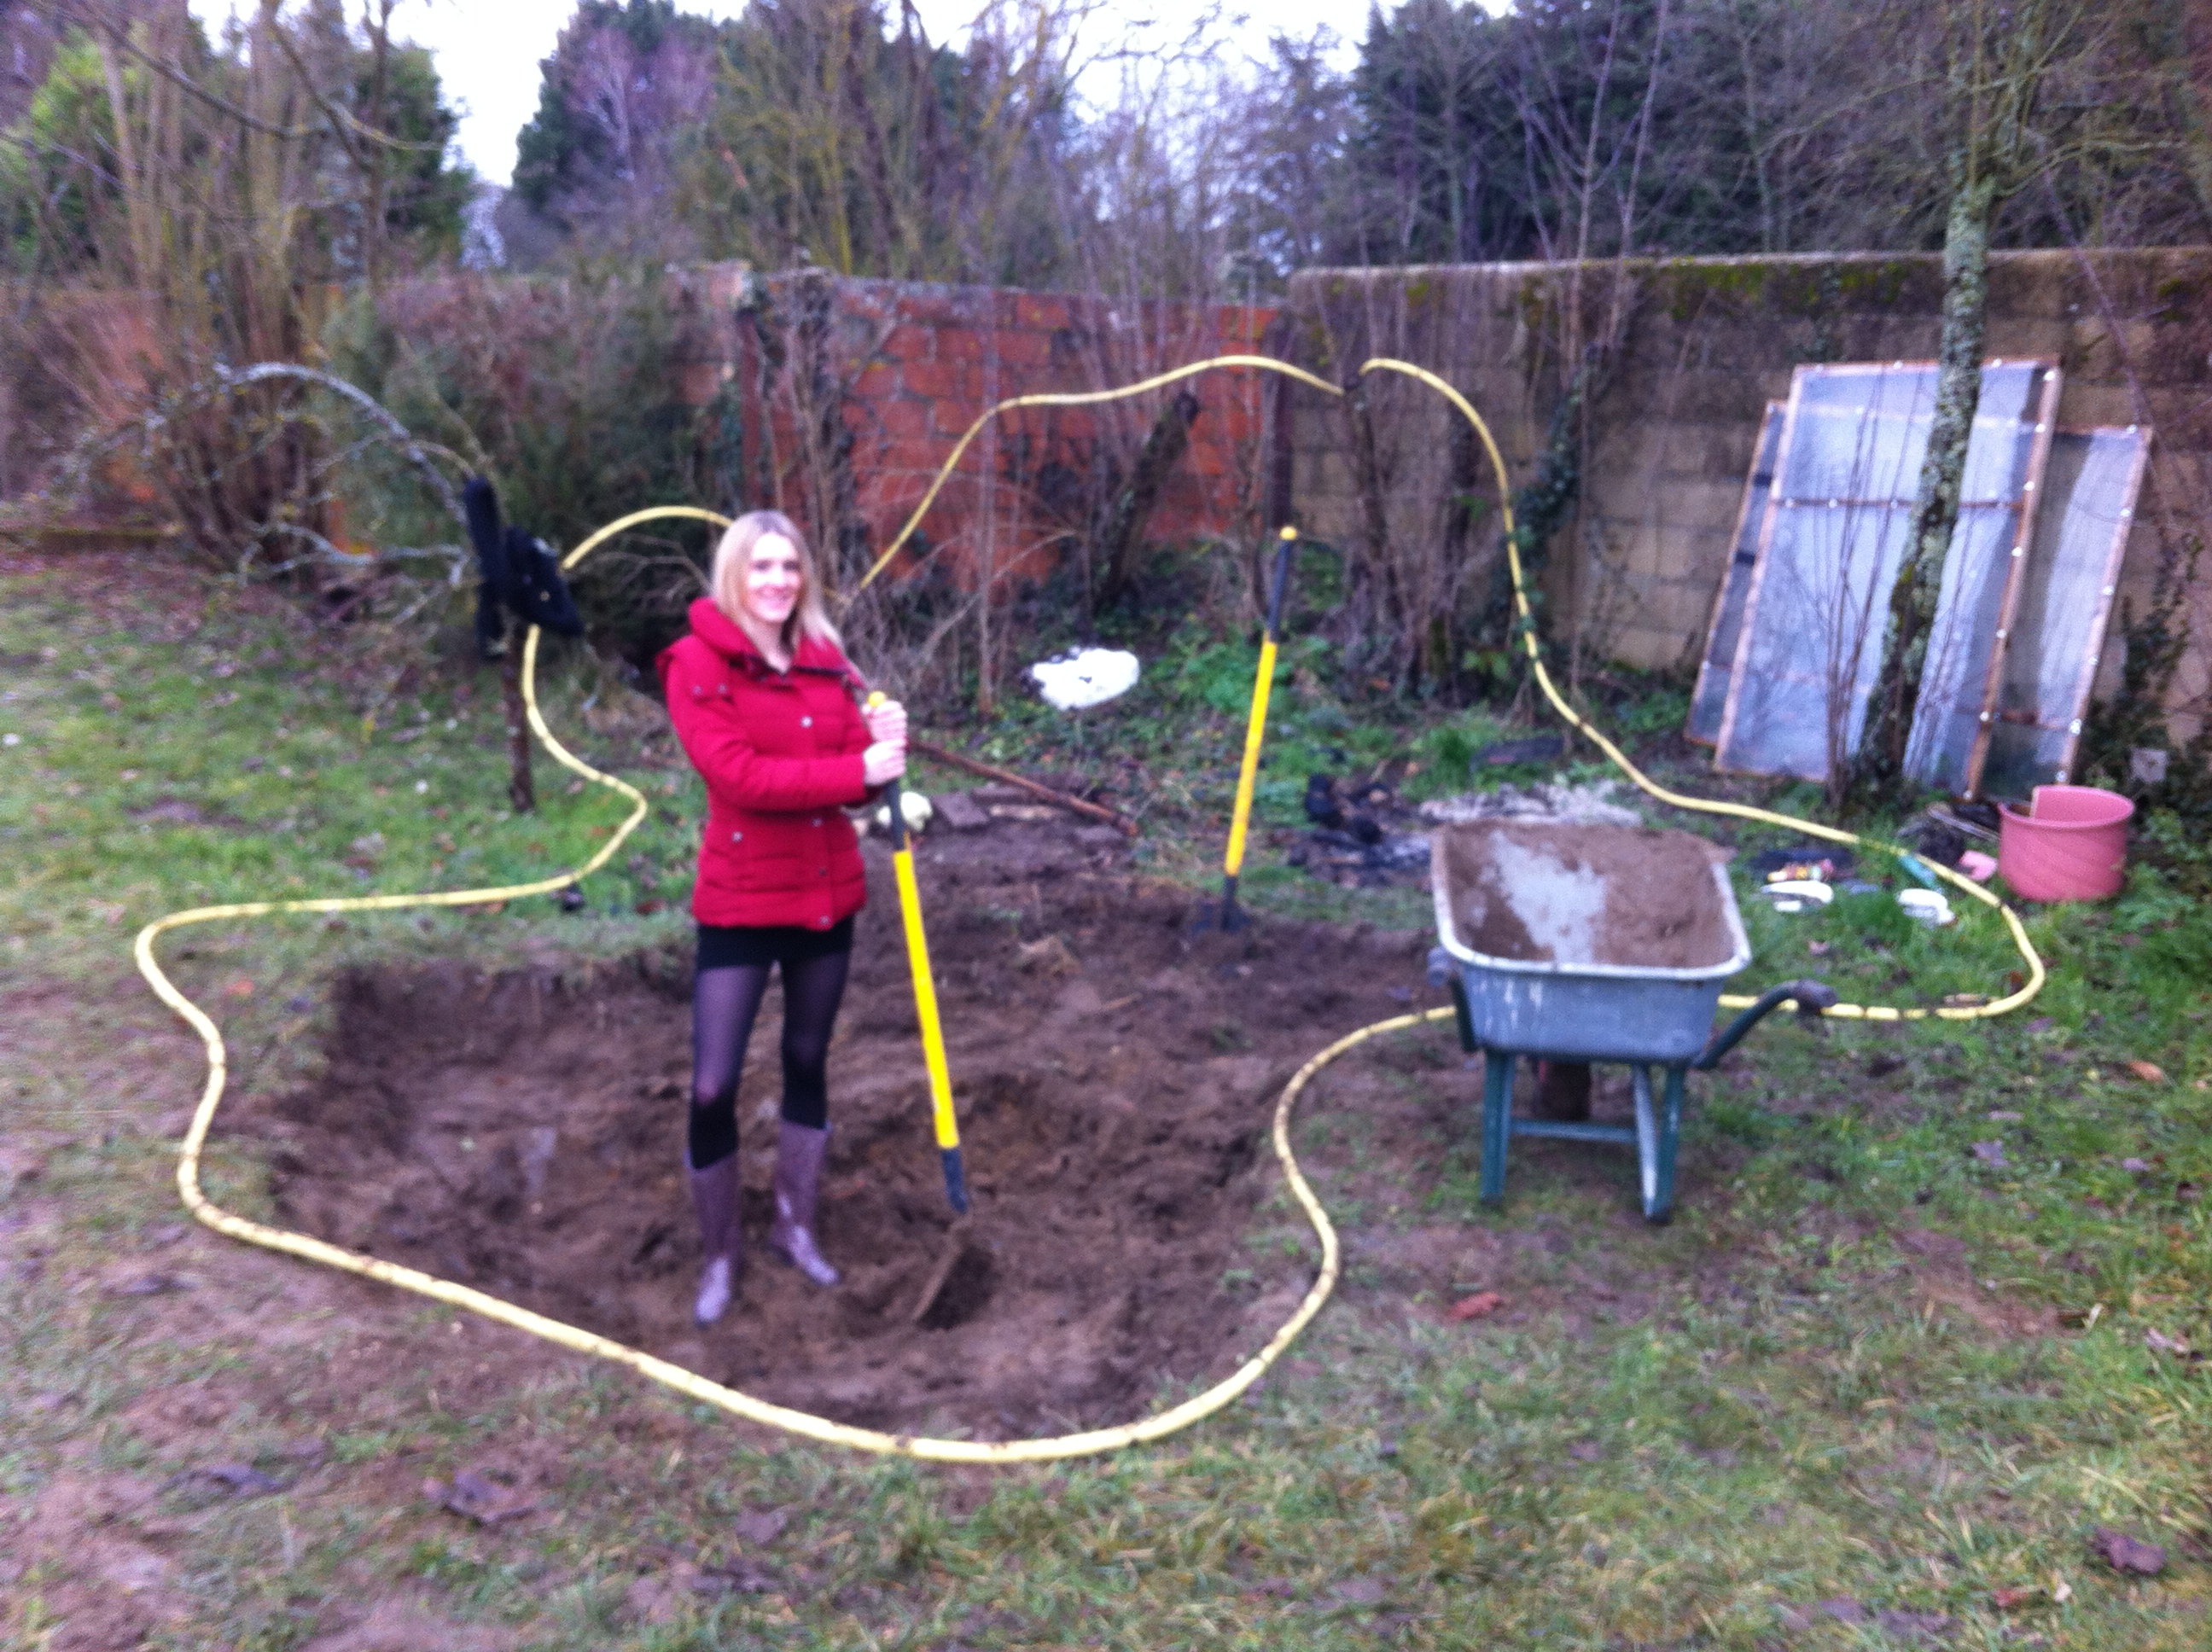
762,699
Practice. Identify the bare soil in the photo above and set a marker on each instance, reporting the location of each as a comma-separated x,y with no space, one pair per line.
522,1133
1543,892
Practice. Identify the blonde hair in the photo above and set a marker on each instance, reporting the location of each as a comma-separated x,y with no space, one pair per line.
734,553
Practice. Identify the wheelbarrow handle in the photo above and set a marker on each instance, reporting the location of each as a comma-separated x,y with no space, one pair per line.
1812,997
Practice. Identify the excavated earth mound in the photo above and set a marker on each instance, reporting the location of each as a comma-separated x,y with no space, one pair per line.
1554,892
522,1133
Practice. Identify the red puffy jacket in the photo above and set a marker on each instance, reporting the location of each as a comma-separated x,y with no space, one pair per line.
780,754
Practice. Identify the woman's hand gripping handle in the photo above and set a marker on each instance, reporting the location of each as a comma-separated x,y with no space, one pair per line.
884,760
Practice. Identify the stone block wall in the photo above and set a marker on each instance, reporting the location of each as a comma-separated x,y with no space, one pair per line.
1706,343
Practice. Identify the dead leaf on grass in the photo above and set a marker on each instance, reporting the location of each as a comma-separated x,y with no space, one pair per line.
153,1285
1049,957
2159,1342
1475,1306
1914,1628
732,1578
654,1597
240,1480
476,1495
1937,1247
759,1527
2011,1600
1842,1609
1359,1592
239,988
18,1168
2124,1553
2149,1071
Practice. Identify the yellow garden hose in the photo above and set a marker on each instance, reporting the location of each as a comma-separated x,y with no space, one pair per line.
686,1382
1073,398
2033,982
689,1383
2029,988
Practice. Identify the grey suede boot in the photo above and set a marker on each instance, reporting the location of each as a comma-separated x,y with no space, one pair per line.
800,1152
715,1197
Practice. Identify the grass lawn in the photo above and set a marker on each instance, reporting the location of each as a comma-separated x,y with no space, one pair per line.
1929,1317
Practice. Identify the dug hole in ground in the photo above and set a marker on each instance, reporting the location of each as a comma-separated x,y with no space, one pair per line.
1117,1072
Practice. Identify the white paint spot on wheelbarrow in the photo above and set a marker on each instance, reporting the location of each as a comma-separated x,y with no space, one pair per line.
1088,679
1559,905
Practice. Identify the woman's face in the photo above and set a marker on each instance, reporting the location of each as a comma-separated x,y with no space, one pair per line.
773,580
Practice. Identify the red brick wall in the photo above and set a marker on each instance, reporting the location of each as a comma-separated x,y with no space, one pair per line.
912,365
918,364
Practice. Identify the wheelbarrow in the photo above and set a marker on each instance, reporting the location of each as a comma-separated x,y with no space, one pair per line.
1589,943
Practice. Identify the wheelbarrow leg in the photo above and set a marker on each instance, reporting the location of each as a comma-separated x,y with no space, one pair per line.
1655,1138
1497,1121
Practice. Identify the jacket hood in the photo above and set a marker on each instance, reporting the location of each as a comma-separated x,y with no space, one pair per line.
728,638
718,631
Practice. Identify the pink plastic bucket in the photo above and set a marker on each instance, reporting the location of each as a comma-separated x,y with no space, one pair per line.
2072,845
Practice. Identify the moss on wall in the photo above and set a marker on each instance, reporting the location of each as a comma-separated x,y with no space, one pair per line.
1796,287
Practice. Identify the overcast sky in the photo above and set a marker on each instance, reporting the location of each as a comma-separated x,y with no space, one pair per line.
488,50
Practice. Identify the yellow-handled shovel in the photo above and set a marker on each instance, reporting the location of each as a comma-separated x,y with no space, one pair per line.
1256,729
925,1000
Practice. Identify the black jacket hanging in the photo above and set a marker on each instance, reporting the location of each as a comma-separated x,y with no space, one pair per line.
517,572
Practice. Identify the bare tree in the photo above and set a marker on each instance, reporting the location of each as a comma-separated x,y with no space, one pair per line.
197,197
2006,78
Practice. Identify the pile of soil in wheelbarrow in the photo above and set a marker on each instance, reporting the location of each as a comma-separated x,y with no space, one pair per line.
1544,892
522,1133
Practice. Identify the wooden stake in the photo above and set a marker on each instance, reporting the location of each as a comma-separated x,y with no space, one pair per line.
1121,823
521,792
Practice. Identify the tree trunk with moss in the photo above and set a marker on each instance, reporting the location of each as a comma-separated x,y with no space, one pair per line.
1121,538
1875,775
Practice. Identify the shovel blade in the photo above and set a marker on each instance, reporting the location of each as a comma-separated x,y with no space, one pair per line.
958,1285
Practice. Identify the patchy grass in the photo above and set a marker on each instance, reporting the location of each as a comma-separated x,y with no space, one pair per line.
1866,1363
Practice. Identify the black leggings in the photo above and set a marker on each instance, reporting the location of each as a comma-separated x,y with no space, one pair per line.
724,1002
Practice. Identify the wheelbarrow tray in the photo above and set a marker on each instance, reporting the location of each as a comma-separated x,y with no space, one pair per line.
1576,1008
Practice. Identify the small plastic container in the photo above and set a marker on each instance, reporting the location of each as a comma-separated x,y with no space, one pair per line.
1795,895
1926,906
2072,845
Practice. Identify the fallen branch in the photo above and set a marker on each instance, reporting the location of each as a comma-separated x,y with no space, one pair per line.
1121,823
412,448
75,471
